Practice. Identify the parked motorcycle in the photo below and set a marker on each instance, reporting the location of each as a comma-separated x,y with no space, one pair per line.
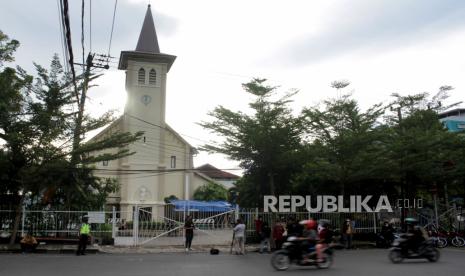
292,254
400,251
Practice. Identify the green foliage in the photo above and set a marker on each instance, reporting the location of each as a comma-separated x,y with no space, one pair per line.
264,142
342,140
7,48
336,148
37,157
211,191
169,198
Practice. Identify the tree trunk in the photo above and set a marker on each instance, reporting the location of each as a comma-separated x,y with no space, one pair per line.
18,213
272,186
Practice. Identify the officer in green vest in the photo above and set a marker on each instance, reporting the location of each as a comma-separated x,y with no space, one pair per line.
84,232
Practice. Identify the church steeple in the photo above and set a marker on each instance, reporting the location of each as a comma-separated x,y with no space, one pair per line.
148,41
147,48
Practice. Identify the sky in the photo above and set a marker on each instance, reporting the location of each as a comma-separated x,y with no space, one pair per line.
380,46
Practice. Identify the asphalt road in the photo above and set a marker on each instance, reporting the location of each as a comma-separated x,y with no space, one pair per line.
357,262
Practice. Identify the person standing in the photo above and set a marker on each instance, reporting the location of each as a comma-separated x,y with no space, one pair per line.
278,234
294,228
84,233
189,231
258,226
239,237
28,243
347,233
265,237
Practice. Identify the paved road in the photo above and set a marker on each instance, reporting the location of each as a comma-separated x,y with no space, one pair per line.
358,262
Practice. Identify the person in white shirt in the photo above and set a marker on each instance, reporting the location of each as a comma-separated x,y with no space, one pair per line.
239,237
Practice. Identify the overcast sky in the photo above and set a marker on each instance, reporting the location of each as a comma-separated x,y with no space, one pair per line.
380,46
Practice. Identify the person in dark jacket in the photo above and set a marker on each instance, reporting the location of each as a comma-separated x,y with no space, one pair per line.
294,228
265,237
387,231
189,232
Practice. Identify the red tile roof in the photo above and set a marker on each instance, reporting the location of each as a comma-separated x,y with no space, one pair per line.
215,173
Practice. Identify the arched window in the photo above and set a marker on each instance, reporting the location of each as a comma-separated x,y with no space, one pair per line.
141,76
153,77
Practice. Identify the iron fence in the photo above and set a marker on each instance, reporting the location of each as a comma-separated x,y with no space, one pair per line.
166,220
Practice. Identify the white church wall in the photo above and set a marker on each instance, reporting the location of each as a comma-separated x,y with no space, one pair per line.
174,185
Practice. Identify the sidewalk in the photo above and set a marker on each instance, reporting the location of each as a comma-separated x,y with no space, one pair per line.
49,248
169,249
94,249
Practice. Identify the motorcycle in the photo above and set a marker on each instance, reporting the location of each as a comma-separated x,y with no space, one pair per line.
400,251
292,253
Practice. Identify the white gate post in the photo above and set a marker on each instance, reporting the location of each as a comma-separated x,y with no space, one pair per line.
23,219
237,212
113,223
374,222
135,226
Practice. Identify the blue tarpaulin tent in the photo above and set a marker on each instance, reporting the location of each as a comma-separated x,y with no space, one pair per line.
201,206
454,126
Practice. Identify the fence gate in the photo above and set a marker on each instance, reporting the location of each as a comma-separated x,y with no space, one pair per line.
164,226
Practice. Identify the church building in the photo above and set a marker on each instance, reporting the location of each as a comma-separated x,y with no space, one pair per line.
162,165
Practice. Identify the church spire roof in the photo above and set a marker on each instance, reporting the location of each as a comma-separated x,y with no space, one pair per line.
147,48
148,41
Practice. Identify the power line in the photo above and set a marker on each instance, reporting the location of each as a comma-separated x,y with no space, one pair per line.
164,170
68,40
158,126
148,127
112,26
82,36
90,25
62,37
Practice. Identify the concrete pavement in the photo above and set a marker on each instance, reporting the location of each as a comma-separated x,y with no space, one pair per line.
353,262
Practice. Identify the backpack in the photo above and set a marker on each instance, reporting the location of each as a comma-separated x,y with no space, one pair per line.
214,251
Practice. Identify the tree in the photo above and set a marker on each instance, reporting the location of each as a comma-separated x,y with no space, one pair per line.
7,48
36,121
265,142
211,191
420,152
342,144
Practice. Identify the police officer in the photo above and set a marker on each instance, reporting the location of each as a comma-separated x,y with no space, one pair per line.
84,232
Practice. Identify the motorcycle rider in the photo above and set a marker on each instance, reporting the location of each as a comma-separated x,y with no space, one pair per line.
309,237
416,235
325,236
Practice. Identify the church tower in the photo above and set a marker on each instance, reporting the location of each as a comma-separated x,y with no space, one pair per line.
162,164
146,71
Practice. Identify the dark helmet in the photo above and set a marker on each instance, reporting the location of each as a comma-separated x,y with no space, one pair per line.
324,222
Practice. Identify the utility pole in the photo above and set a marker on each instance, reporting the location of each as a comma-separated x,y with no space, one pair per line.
81,100
81,105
